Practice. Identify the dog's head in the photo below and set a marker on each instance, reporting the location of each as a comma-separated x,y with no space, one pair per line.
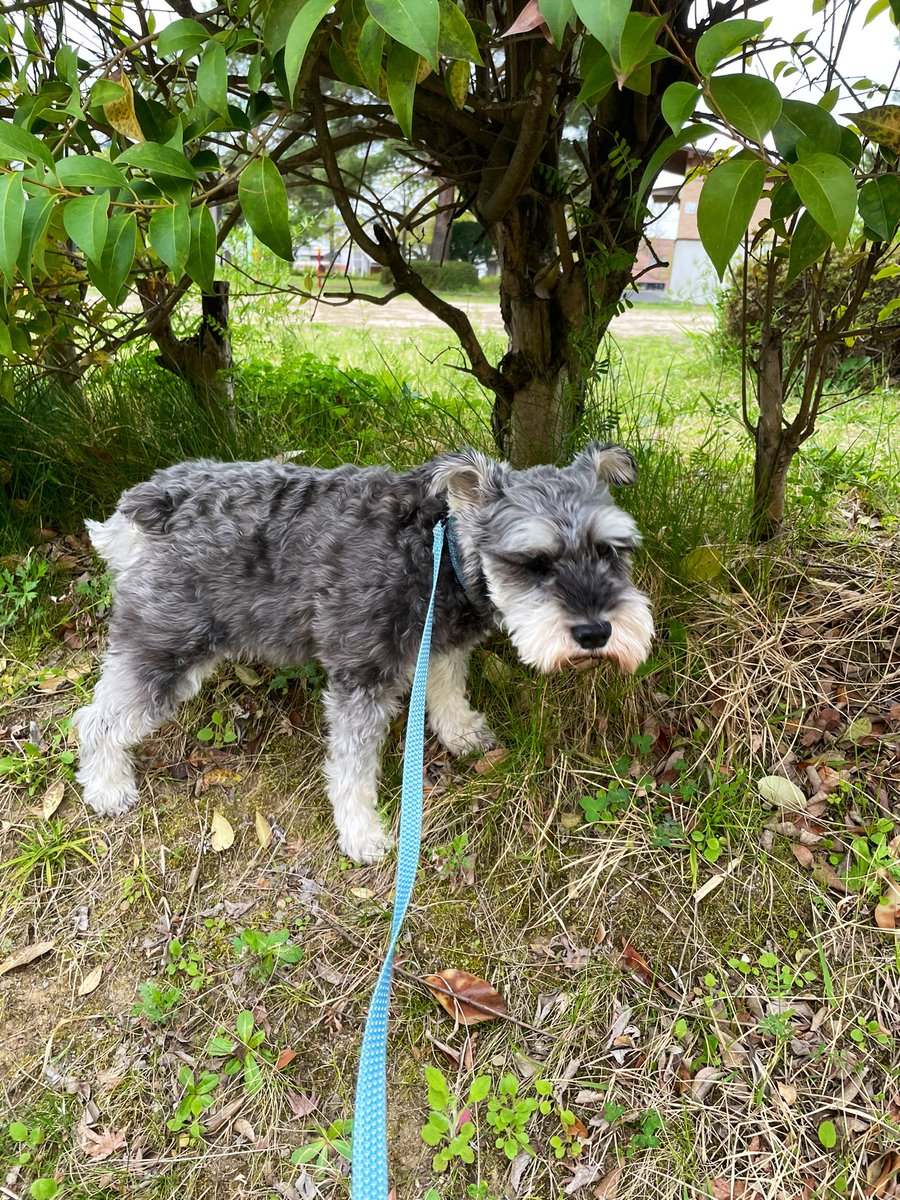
555,551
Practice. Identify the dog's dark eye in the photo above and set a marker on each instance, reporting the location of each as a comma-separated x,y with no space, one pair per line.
604,550
538,565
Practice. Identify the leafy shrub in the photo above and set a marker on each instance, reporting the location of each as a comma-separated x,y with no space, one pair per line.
451,276
792,306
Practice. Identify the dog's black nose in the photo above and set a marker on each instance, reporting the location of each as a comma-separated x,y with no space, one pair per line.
592,637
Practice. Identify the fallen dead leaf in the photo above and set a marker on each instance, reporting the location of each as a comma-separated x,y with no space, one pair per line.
25,955
780,792
284,1058
489,760
825,874
215,1121
247,675
633,961
301,1106
222,832
264,833
468,999
97,1146
244,1130
91,981
222,777
608,1187
886,916
803,854
52,798
51,683
788,1093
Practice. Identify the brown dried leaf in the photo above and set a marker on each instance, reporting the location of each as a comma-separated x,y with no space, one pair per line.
284,1058
608,1187
98,1146
529,18
633,961
222,777
825,874
91,981
301,1106
52,798
886,916
803,854
468,999
25,955
489,760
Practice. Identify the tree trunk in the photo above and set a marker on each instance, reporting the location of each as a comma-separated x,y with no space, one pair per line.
443,224
204,359
773,452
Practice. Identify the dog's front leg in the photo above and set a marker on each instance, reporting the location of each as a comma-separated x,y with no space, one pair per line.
457,725
358,721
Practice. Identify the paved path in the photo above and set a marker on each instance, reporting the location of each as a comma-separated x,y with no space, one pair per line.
408,315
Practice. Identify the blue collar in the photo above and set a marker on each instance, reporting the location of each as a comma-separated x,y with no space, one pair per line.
476,595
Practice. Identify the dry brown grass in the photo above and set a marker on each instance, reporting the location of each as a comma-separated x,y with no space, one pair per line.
742,1064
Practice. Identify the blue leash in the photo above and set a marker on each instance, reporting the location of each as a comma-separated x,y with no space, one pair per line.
369,1180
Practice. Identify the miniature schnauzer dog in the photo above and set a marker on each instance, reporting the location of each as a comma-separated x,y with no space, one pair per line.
285,564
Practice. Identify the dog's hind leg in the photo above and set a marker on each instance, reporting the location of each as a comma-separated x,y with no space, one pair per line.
358,721
134,696
457,726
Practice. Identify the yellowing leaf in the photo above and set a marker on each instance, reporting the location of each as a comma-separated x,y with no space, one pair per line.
701,564
458,82
120,113
781,792
52,798
880,124
91,981
247,675
263,831
222,832
222,777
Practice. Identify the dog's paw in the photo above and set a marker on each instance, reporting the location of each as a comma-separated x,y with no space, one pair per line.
111,801
470,735
367,843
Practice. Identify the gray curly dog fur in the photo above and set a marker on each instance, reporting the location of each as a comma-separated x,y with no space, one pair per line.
287,564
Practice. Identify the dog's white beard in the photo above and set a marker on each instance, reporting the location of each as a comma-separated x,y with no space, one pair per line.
542,633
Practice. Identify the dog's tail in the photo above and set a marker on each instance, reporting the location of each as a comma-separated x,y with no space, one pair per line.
117,540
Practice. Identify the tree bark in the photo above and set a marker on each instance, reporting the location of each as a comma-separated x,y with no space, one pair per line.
204,359
443,224
773,453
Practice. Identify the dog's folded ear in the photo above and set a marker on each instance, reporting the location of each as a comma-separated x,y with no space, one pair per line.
469,478
613,464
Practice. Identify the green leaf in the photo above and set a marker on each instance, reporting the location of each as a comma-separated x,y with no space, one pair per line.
729,196
20,145
879,205
557,14
169,232
415,24
12,212
605,21
220,1046
804,129
637,44
201,259
180,36
456,39
44,1189
851,147
479,1089
785,200
599,76
723,40
158,160
690,133
38,211
302,28
104,91
212,78
828,1135
678,104
110,274
86,221
88,170
827,188
263,199
809,242
252,1076
369,51
749,104
402,64
244,1025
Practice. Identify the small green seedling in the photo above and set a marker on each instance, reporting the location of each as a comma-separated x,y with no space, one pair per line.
197,1098
219,732
449,1131
508,1115
267,952
158,1002
335,1140
243,1054
186,964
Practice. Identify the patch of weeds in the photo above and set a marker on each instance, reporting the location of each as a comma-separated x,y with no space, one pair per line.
220,732
138,885
267,952
871,860
196,1099
608,804
509,1115
454,860
645,1138
327,1143
20,589
778,978
47,850
244,1053
445,1130
309,676
186,964
32,768
868,1034
158,1003
24,1146
95,592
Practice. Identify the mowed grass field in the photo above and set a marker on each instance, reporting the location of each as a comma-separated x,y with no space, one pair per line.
699,999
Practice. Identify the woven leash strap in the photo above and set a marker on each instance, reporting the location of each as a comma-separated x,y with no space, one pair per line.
369,1178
